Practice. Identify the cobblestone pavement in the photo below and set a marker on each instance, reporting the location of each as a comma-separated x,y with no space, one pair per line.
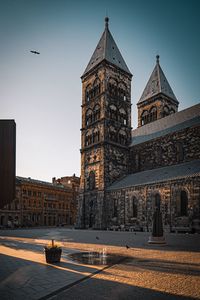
148,272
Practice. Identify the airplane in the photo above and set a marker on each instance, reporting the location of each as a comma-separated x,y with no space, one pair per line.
35,52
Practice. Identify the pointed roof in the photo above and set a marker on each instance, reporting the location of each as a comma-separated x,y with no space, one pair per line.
107,50
157,84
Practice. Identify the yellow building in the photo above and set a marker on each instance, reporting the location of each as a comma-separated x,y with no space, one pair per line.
39,203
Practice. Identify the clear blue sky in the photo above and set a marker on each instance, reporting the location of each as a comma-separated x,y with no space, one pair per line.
43,92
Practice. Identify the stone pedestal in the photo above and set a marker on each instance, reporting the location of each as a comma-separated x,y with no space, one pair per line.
157,240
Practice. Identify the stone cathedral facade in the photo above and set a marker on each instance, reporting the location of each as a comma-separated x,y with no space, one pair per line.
125,173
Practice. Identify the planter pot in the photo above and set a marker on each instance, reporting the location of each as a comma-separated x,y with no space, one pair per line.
53,255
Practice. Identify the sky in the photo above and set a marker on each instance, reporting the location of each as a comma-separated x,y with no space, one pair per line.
42,93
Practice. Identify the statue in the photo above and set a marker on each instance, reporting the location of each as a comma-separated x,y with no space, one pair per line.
157,236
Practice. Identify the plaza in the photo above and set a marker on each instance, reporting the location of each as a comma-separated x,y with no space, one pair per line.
145,272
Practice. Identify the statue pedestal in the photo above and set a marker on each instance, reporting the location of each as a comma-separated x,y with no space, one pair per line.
160,240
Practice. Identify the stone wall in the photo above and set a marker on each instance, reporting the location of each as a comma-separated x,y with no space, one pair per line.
177,147
144,198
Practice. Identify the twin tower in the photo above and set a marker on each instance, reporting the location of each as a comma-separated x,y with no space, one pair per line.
106,124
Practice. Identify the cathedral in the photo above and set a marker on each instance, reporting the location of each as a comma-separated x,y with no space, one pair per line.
125,173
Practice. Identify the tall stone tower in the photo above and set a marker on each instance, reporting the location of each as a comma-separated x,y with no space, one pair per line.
106,128
158,99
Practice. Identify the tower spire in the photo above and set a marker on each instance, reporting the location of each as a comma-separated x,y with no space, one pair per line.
106,49
106,22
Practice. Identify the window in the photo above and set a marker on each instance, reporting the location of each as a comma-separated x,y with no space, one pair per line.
122,91
96,136
153,114
88,93
112,134
112,87
122,116
96,112
144,118
165,111
134,208
183,203
157,201
113,112
115,205
92,180
88,120
88,139
172,111
96,87
122,137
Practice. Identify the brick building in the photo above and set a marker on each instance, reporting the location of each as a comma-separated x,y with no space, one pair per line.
39,203
7,161
126,173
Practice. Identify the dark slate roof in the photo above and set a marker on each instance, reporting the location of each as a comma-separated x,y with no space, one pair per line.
175,172
172,123
157,84
39,182
107,50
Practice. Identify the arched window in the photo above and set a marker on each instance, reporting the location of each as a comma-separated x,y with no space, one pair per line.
165,111
122,116
183,203
96,136
92,180
112,134
88,139
113,112
88,93
144,117
121,91
153,114
157,201
122,137
96,87
88,120
112,87
134,208
115,205
96,112
172,111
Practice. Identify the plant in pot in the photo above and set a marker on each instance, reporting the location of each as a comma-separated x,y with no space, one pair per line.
52,252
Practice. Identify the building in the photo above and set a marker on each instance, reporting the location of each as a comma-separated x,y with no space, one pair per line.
39,203
126,173
72,183
7,159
